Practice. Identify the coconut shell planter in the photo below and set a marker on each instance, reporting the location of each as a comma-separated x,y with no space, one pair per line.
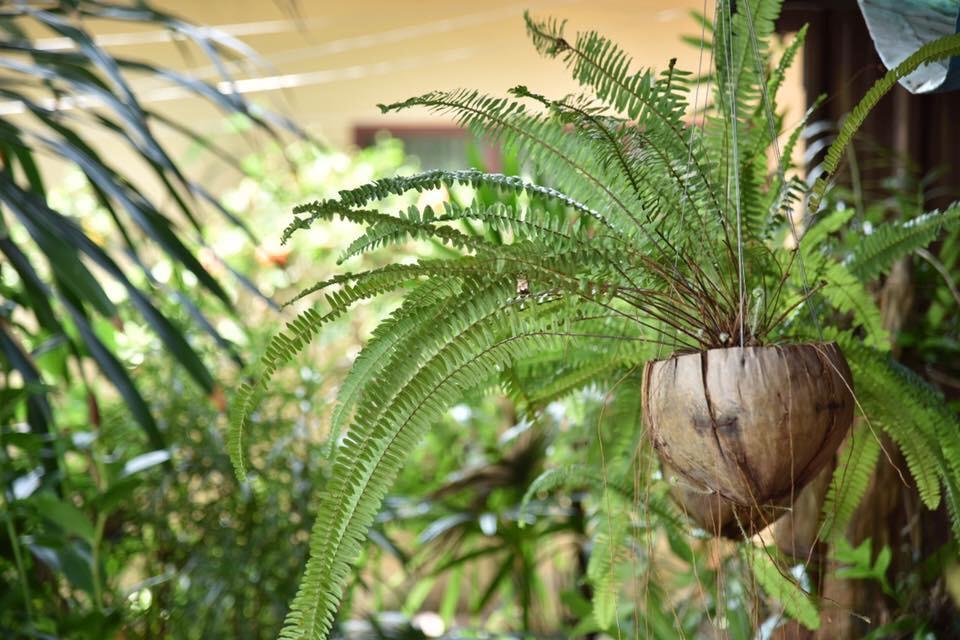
745,429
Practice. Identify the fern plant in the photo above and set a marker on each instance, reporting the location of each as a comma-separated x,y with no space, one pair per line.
654,237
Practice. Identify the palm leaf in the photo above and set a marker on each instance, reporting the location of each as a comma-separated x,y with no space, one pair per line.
37,78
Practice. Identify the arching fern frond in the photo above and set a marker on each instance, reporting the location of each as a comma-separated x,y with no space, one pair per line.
546,142
913,414
607,558
876,253
369,459
573,476
656,106
841,289
787,190
285,345
939,49
354,286
850,481
362,196
779,74
648,167
281,349
554,231
421,307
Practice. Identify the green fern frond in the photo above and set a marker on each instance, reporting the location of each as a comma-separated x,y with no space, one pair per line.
656,106
562,381
564,269
841,289
787,190
544,141
847,294
779,74
635,154
573,476
553,231
355,286
397,230
946,433
877,252
899,404
600,64
420,308
850,481
369,459
283,347
741,59
822,227
349,200
607,557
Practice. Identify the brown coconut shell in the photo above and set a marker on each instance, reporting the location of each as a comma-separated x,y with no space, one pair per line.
745,429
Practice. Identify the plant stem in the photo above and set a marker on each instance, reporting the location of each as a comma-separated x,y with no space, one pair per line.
943,271
18,560
99,474
15,543
97,539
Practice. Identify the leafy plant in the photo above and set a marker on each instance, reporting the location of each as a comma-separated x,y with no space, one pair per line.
143,542
654,237
61,105
861,565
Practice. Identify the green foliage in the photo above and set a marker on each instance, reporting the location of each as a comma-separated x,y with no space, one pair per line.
606,559
911,412
50,295
654,238
136,551
840,287
891,242
124,539
796,603
850,480
860,562
939,49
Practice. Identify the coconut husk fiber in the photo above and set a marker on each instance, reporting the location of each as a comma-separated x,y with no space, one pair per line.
745,429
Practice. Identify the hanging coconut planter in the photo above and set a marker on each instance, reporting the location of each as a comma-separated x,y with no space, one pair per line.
745,429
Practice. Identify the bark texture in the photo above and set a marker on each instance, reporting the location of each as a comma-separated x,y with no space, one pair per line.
745,429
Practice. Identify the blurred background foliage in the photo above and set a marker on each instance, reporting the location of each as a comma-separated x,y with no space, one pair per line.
161,542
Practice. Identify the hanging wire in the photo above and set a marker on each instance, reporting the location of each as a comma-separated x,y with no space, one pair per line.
775,141
735,150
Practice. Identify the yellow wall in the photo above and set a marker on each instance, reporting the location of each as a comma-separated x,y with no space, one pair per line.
341,58
327,64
